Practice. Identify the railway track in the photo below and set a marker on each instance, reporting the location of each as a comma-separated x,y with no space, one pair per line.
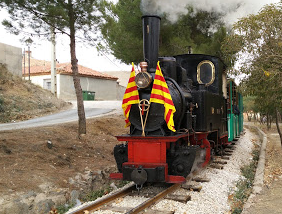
97,204
122,193
153,198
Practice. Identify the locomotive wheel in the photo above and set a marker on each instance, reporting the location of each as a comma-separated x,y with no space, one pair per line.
181,167
220,150
182,161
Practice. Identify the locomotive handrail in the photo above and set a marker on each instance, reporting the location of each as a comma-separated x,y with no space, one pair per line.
158,138
152,138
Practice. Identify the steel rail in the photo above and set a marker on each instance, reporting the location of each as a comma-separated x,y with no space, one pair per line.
153,200
95,205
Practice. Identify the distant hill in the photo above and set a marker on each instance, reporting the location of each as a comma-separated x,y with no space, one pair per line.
22,100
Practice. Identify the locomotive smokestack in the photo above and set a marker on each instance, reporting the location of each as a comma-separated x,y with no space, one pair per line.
151,34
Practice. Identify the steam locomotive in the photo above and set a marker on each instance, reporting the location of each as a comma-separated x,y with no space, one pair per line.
207,117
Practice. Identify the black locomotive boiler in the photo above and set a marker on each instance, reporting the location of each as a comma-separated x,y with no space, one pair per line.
198,87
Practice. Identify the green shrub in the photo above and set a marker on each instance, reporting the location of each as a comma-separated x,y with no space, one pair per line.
64,208
245,185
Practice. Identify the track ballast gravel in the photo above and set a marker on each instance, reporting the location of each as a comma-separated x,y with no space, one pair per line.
213,198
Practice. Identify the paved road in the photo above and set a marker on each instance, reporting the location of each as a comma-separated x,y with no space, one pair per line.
92,109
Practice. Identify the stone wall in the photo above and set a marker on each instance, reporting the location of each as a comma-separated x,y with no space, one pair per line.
11,57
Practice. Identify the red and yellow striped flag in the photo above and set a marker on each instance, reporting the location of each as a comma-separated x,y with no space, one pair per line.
160,94
130,96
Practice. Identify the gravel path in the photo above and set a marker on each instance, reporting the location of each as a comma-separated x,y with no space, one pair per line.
213,198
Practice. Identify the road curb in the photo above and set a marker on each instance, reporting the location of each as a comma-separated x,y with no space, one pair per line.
259,176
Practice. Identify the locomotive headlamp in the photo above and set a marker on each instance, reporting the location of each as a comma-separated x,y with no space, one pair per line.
143,79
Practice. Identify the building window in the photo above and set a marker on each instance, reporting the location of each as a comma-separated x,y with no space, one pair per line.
47,84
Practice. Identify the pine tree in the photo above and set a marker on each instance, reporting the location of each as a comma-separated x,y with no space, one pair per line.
65,16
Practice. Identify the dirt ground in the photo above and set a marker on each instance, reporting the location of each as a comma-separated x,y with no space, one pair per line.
27,161
273,161
269,199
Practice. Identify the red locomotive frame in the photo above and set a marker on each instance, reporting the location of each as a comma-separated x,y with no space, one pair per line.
150,152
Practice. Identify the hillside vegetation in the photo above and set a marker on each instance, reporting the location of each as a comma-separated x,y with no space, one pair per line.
22,100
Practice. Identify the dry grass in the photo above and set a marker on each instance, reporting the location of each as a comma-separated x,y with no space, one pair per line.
21,100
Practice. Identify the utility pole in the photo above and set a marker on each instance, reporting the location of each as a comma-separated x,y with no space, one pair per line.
53,63
29,63
24,63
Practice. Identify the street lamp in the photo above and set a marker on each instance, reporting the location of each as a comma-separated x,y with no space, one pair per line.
28,43
24,62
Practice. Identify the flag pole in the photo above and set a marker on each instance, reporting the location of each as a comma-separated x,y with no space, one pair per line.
147,115
142,107
143,128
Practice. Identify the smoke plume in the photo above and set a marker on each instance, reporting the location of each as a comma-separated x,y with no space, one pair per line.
232,9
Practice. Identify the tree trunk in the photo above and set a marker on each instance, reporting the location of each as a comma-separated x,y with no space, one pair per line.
267,121
76,80
277,125
249,116
255,116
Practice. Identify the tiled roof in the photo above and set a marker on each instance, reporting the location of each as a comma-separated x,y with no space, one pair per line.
41,67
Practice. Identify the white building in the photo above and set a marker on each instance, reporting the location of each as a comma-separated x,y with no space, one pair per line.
104,86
